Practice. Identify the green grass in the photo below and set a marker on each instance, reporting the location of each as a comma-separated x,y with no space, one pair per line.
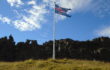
59,64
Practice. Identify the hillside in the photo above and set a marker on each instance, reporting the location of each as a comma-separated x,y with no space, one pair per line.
61,64
95,49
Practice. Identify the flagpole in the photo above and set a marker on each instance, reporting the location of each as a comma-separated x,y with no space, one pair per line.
54,24
54,30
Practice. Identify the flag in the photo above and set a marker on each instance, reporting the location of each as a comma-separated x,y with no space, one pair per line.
62,11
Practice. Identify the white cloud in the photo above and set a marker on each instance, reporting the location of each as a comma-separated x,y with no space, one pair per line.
98,7
104,31
16,3
31,21
32,2
5,20
73,4
101,8
27,19
24,26
31,18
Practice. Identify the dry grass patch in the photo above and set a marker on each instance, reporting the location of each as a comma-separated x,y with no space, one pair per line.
59,64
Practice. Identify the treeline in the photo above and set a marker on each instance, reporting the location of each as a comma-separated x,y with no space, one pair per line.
96,49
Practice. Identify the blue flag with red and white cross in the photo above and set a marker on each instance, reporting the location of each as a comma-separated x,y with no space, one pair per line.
62,11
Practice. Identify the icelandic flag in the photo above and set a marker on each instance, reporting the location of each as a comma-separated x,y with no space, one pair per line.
61,11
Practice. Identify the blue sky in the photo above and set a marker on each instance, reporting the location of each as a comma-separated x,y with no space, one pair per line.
33,19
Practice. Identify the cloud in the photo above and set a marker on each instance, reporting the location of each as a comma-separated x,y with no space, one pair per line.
31,21
104,31
24,26
101,8
98,7
27,19
5,20
30,14
16,3
32,2
73,4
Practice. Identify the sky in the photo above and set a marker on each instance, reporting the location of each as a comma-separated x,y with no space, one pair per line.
33,19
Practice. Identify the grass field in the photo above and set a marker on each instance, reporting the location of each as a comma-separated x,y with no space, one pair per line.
59,64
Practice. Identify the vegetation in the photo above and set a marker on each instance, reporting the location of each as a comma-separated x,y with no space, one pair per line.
96,49
23,55
63,64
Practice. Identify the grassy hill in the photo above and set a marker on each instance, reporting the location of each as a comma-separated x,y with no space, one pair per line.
59,64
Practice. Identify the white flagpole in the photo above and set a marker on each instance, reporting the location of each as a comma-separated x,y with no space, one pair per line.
54,30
